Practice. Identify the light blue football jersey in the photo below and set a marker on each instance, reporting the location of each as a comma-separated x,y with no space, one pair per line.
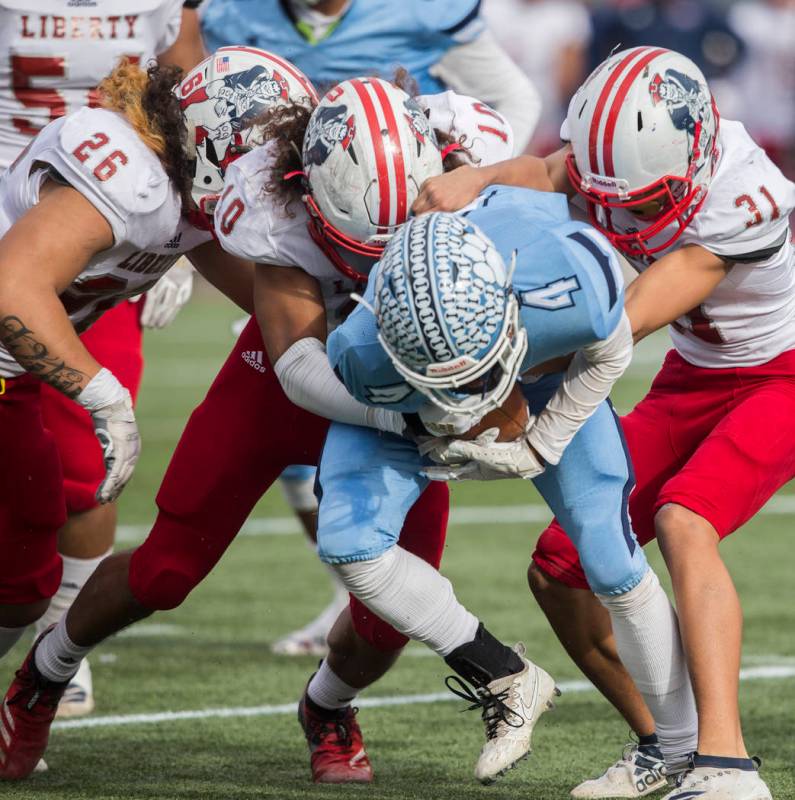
567,280
373,37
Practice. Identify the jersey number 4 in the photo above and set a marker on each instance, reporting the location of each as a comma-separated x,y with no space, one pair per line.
107,167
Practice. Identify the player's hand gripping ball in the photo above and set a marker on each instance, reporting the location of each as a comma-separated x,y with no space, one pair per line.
511,419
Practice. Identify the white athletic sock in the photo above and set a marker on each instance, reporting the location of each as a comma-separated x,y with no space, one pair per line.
413,597
9,637
76,571
57,656
647,637
328,691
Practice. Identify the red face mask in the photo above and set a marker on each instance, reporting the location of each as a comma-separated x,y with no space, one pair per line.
677,195
328,238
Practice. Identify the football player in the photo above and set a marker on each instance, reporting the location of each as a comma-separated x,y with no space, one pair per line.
442,45
100,205
209,504
454,325
702,214
357,192
53,58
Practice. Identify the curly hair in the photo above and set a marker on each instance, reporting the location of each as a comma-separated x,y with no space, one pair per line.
284,127
147,100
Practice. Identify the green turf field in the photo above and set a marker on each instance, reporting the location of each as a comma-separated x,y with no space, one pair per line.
212,653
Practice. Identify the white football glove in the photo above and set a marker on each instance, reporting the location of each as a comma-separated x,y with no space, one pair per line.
164,300
110,406
439,422
484,459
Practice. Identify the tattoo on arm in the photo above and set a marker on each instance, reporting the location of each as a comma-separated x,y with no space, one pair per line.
33,355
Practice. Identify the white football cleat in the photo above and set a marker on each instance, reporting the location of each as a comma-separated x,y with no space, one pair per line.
78,699
311,639
41,766
640,771
510,707
715,778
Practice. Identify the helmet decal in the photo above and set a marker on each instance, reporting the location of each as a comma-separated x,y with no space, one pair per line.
237,100
686,99
419,124
326,128
222,99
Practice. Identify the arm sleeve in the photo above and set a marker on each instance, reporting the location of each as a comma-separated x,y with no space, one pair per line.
481,68
588,381
308,380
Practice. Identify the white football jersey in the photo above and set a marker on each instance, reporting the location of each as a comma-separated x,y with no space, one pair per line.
254,225
98,153
486,134
750,316
53,53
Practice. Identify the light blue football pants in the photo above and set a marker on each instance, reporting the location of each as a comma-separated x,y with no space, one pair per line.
369,480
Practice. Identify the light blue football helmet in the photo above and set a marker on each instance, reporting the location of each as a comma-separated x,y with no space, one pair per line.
447,315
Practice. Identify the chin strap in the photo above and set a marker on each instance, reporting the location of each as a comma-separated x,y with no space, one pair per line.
314,228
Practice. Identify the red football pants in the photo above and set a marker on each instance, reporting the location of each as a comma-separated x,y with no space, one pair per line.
115,342
32,506
719,442
235,445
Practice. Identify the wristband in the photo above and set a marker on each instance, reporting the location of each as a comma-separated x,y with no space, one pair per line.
102,390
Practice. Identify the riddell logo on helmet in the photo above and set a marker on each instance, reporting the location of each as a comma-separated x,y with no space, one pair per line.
603,181
450,367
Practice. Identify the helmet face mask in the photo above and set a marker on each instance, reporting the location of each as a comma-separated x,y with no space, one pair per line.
480,386
675,197
643,130
367,150
447,316
221,99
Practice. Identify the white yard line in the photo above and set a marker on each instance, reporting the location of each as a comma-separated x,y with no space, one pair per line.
464,515
776,672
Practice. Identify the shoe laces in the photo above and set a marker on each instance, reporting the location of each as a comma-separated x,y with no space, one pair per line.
629,751
33,691
337,730
495,711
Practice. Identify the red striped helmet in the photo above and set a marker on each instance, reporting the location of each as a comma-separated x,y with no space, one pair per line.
367,150
643,129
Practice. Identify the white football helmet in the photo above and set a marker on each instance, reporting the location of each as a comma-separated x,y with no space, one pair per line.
367,150
643,130
221,97
447,315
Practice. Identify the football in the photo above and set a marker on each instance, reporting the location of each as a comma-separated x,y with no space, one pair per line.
511,418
